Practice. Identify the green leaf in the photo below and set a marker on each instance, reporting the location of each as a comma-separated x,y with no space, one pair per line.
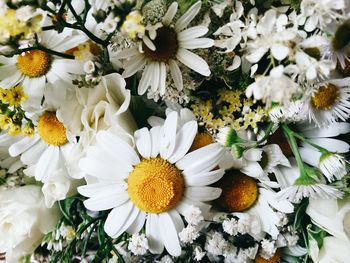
316,233
65,207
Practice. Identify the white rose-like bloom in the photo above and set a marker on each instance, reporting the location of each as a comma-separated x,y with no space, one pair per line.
331,215
334,250
24,219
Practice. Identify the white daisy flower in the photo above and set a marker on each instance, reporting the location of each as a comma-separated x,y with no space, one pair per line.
338,48
296,193
155,189
47,151
329,102
333,166
36,67
162,51
322,136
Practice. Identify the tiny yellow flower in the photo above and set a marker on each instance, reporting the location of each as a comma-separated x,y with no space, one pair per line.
4,93
28,130
132,25
5,122
14,130
16,96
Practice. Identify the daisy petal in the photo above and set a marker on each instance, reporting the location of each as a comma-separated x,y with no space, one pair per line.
193,61
176,74
47,163
153,234
22,145
170,14
143,142
186,18
107,199
117,146
203,159
202,193
168,138
138,224
155,133
120,219
192,32
205,178
184,140
169,234
197,43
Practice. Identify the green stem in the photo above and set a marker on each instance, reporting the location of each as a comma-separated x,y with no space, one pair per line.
267,134
290,135
302,138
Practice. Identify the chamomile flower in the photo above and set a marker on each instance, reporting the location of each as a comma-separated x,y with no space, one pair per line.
329,102
48,150
32,69
154,189
164,48
333,166
331,163
338,48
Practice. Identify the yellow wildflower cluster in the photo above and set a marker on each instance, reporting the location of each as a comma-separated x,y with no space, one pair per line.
13,97
132,26
10,114
10,26
232,109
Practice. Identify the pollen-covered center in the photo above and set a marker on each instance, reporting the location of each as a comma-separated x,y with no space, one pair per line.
201,140
239,191
51,130
155,185
33,64
166,44
325,97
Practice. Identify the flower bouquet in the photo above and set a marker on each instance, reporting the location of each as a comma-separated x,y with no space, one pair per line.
174,131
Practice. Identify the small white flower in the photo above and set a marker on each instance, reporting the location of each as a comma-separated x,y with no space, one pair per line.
138,244
89,67
188,234
230,226
193,215
216,244
198,253
277,87
291,239
268,248
333,166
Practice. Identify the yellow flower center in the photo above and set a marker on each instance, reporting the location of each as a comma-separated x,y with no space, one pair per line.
33,64
51,130
239,191
325,97
155,185
202,139
276,258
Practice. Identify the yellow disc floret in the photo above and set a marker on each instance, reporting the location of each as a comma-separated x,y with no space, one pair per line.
51,130
202,139
325,97
33,64
239,191
155,185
